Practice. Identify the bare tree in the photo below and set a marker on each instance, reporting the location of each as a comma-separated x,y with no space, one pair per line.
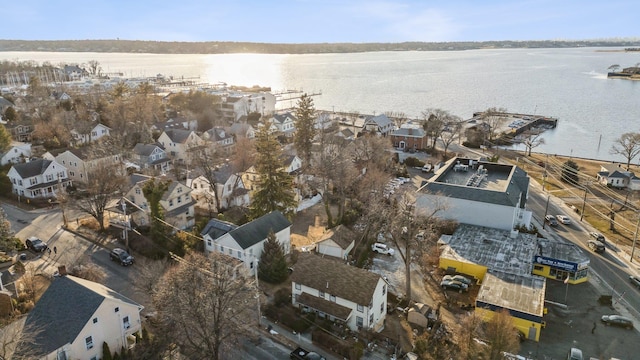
614,68
494,118
434,121
471,328
94,67
451,132
15,338
532,141
205,301
501,334
104,185
627,145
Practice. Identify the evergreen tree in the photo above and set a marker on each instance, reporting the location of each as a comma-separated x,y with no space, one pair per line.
570,172
5,139
153,191
305,127
274,184
272,267
10,114
106,352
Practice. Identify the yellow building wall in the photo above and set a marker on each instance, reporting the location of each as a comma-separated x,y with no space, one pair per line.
475,270
522,325
545,271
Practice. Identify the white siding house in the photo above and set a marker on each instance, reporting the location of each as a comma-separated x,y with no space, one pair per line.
18,152
39,178
75,316
337,242
339,292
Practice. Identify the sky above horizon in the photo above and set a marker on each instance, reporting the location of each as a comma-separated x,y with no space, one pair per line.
321,21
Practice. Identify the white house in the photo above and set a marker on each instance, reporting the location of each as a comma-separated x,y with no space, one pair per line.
151,156
176,202
339,292
39,178
285,123
242,130
247,241
229,189
616,176
180,143
95,133
18,152
337,242
222,139
75,316
379,124
477,193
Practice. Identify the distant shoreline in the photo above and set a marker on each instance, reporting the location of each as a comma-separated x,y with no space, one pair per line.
226,47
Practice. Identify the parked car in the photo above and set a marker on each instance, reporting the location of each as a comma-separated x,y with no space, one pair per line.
121,256
563,219
635,280
302,354
458,286
574,354
617,320
596,246
36,244
426,168
459,278
597,236
551,220
382,249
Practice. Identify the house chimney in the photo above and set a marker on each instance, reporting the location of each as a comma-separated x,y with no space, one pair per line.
62,270
327,284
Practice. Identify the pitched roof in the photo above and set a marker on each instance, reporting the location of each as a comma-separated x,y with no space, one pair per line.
65,308
257,230
381,120
335,278
4,102
409,132
341,235
216,228
32,168
145,149
178,135
281,118
326,306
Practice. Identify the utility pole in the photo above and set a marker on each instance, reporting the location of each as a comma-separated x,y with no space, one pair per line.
635,237
584,201
126,224
546,209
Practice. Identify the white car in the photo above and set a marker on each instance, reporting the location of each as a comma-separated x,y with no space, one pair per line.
563,219
382,249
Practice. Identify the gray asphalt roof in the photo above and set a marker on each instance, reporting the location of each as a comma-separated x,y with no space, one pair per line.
178,135
257,230
32,168
64,309
216,228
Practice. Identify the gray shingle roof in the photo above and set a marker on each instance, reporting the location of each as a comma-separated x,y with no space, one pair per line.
257,230
216,228
32,168
335,278
418,133
178,135
144,149
341,235
65,308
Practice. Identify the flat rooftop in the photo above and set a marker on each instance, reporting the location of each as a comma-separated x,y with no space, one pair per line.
474,173
494,248
522,293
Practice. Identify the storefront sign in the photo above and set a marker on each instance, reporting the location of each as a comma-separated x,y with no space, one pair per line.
555,263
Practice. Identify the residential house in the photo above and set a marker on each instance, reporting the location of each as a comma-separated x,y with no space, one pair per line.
247,241
179,144
176,123
80,162
74,317
616,176
4,105
285,123
242,130
152,157
479,193
89,134
223,140
337,242
20,131
339,292
229,189
74,72
346,133
16,153
39,178
216,228
233,107
291,164
261,102
176,203
413,139
379,124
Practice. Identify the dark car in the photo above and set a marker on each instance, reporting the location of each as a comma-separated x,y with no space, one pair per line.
596,246
635,280
617,320
458,286
36,244
597,236
551,220
121,256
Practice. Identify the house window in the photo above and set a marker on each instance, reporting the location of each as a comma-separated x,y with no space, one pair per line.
239,254
89,342
209,242
95,320
381,307
371,320
171,202
230,251
179,199
384,289
125,322
332,298
138,191
179,190
321,293
116,309
359,321
298,287
360,308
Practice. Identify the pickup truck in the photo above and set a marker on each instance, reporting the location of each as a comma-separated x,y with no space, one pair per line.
302,354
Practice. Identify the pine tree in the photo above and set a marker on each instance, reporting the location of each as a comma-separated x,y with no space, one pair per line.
5,139
305,127
272,267
274,184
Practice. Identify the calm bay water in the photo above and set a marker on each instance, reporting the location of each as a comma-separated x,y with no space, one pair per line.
569,84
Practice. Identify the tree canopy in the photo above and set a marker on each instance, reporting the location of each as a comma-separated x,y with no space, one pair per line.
272,267
305,127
